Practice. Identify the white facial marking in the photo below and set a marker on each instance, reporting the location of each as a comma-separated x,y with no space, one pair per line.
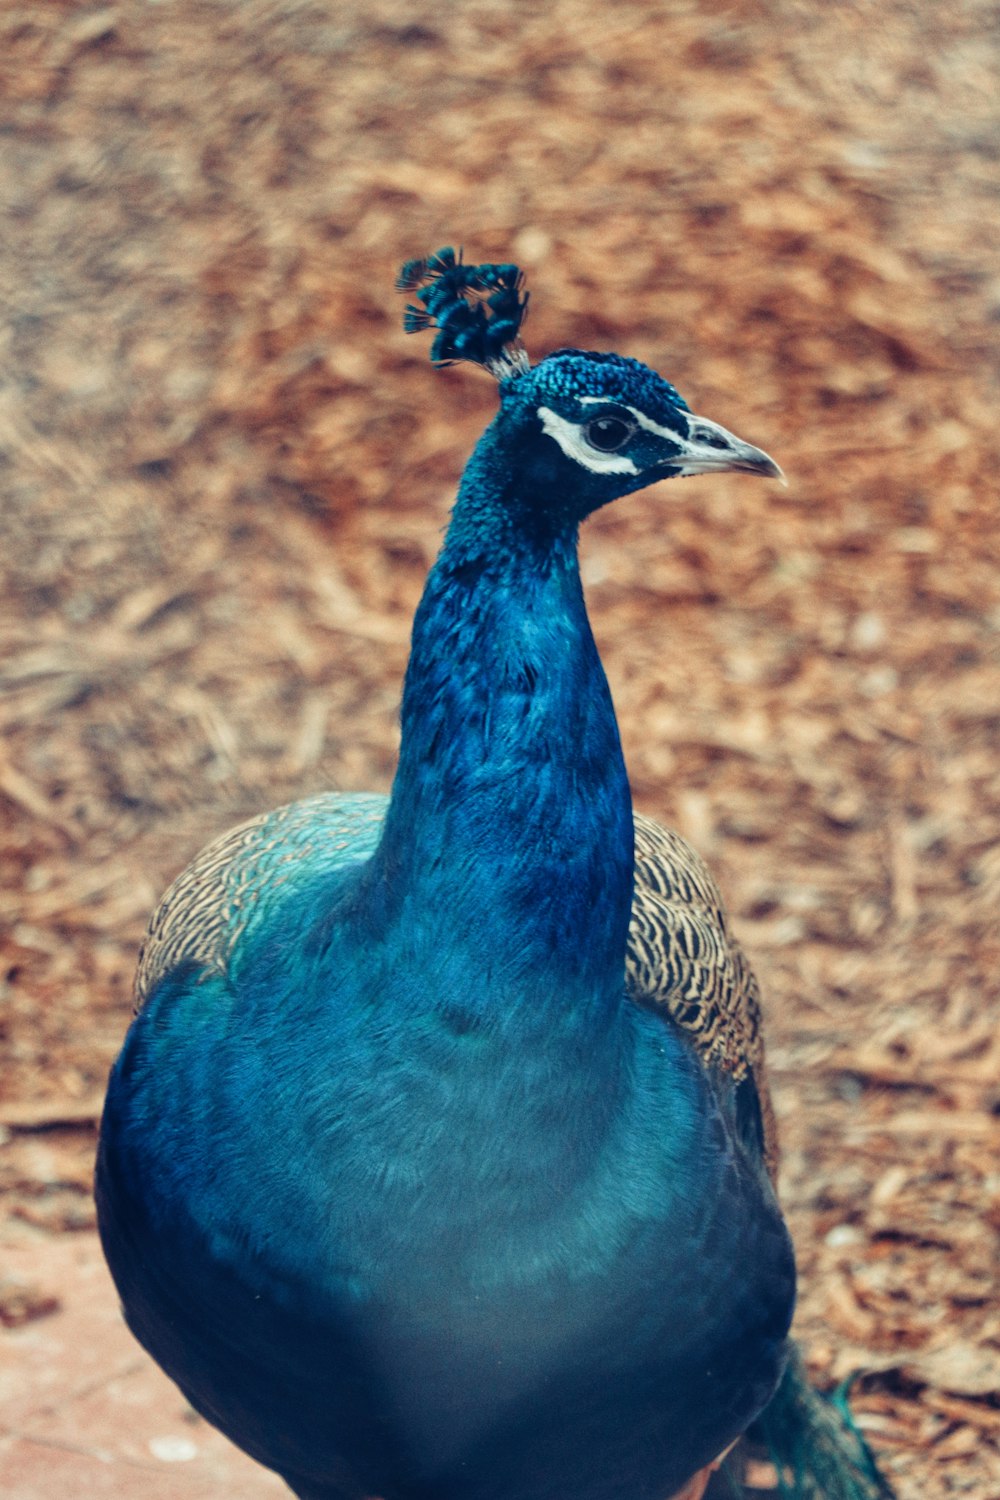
571,440
709,448
670,433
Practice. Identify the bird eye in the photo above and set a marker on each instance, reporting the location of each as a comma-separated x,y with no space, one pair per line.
608,433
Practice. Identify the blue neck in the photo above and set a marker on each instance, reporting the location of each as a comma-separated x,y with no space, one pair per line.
510,819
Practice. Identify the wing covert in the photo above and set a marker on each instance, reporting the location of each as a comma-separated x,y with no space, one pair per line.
683,959
204,912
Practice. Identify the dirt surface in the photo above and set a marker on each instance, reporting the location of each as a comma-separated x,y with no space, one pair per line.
225,472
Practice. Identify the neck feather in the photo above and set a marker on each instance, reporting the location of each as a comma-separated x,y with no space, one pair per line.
510,824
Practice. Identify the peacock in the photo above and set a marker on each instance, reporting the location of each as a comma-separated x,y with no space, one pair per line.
438,1160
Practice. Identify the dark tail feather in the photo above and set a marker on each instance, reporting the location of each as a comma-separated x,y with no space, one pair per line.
815,1445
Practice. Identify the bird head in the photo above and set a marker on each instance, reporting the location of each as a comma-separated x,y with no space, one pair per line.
612,425
587,425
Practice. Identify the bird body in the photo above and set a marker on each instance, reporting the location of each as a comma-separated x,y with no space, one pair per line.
609,1174
396,1178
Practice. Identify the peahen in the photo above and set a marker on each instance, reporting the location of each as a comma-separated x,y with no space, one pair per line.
435,1165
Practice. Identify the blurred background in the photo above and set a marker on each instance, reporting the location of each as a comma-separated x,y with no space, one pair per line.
224,473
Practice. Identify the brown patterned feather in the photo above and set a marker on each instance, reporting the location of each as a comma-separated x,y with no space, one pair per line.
203,913
681,956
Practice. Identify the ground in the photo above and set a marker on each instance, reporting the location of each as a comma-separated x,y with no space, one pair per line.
225,472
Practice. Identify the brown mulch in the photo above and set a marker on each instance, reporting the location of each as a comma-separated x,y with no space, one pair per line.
224,473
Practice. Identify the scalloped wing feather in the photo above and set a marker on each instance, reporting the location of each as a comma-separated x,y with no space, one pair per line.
683,959
208,907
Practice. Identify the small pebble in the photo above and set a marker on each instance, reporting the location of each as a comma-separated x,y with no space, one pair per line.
173,1450
843,1234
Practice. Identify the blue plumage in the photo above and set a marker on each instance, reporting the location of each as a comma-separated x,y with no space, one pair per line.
394,1181
477,310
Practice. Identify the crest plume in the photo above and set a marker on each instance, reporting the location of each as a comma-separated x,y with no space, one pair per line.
477,311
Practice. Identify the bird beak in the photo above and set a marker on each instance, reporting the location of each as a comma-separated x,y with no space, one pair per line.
711,449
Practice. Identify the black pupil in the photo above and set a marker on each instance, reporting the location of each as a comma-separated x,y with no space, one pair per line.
607,433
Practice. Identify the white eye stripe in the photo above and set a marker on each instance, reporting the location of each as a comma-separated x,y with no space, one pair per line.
571,440
708,447
670,433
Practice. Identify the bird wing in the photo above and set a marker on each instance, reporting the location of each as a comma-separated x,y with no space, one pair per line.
231,883
683,960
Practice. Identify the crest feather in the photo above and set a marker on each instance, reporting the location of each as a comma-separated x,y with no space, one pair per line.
477,311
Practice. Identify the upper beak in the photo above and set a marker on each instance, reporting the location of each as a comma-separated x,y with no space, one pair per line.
711,449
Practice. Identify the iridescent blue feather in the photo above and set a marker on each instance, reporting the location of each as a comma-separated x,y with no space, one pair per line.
477,310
